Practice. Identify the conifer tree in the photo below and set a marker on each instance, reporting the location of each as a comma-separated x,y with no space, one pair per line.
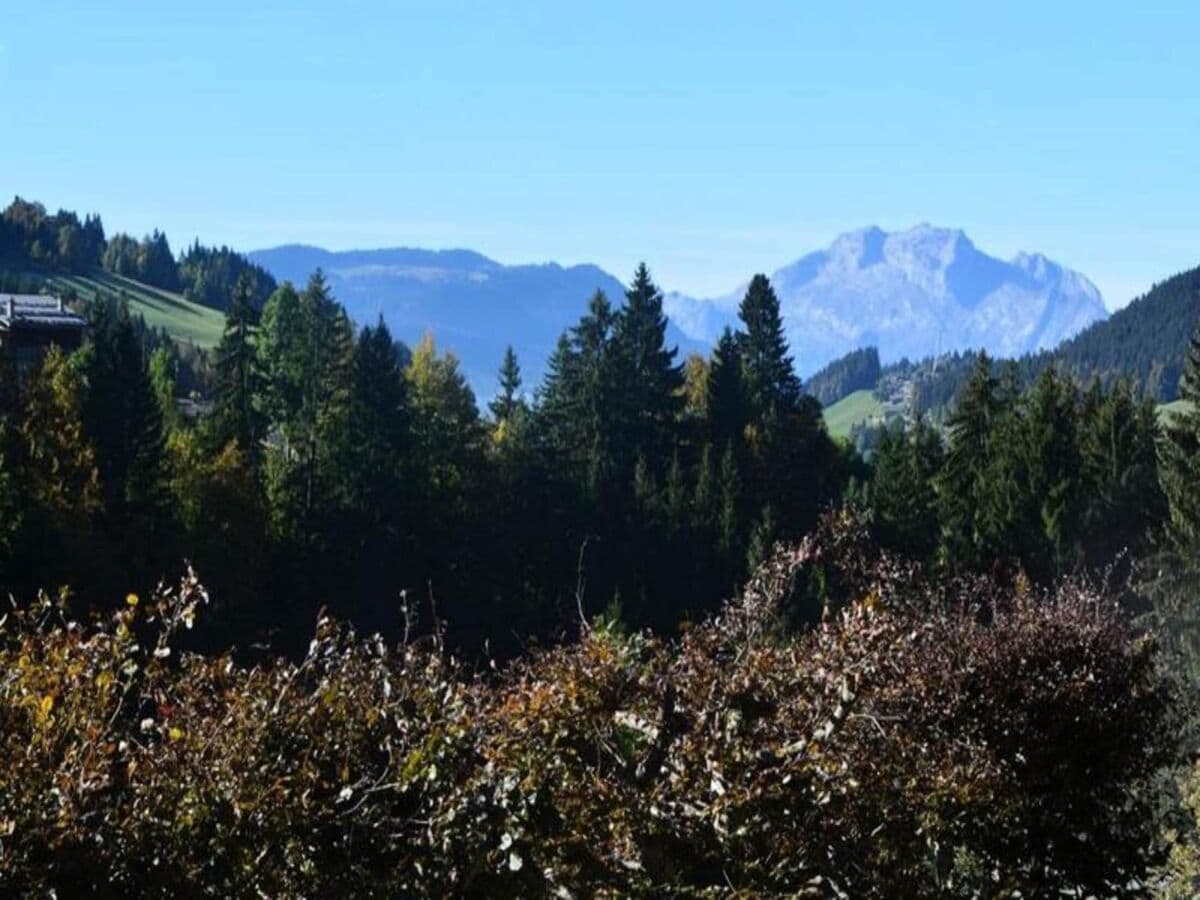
594,436
705,498
124,419
793,463
771,381
967,457
237,416
650,384
729,536
1180,471
281,359
504,406
376,467
905,463
726,403
1052,468
1175,585
675,500
1122,498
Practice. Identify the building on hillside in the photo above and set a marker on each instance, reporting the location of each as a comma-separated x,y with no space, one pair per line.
31,323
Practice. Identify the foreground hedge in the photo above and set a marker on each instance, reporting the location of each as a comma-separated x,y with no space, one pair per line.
925,741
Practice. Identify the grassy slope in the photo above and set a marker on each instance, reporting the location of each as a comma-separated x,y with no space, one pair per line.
183,319
858,407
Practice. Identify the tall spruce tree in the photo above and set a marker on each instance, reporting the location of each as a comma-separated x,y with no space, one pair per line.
771,381
1173,584
726,403
968,455
794,464
1052,467
1180,466
903,502
506,402
124,419
650,384
239,383
376,468
1122,500
594,437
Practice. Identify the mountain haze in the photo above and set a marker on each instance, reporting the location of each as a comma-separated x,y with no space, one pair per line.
474,306
911,294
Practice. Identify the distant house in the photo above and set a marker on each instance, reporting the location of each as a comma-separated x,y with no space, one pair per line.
30,323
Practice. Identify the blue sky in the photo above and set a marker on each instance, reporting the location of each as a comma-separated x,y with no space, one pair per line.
712,140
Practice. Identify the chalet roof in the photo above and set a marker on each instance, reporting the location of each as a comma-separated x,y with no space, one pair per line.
36,311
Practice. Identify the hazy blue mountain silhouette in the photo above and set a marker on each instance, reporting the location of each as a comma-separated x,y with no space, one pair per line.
474,306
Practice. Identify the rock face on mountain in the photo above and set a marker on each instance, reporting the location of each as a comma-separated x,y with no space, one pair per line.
911,294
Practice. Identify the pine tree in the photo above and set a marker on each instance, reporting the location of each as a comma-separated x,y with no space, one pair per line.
705,499
1180,465
771,382
124,419
595,436
967,457
650,384
1174,587
675,500
239,383
504,406
282,356
729,532
726,403
1122,498
375,466
902,498
1052,468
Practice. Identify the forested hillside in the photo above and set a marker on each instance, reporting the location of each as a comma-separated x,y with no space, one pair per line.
855,371
1146,341
37,246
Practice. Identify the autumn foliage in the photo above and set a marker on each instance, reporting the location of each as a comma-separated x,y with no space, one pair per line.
928,739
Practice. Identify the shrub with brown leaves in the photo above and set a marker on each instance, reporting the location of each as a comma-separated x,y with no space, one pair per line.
925,740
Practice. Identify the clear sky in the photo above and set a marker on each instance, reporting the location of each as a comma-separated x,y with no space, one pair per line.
712,140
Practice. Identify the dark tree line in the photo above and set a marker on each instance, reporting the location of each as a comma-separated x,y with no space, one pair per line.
209,276
1048,479
339,468
30,236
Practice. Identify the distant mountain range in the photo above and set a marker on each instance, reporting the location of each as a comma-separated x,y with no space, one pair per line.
911,293
473,305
